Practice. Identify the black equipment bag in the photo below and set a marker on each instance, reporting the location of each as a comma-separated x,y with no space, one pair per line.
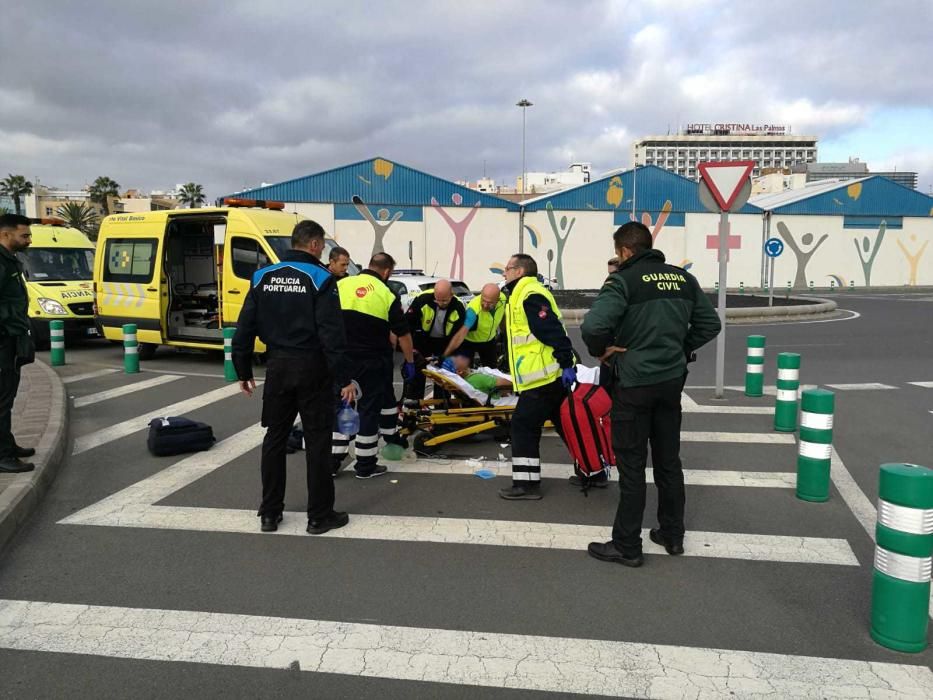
177,435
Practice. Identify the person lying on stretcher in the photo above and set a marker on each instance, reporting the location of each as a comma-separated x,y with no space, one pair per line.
494,384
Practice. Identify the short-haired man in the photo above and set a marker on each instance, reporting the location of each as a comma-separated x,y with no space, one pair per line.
647,321
434,317
338,261
371,311
292,306
15,338
485,315
542,365
613,264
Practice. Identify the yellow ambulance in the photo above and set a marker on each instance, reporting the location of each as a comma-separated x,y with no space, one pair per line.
181,275
58,268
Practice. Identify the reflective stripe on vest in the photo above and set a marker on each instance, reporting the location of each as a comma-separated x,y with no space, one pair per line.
532,362
487,322
427,315
365,294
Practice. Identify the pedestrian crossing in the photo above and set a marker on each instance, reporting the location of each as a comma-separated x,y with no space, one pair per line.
494,659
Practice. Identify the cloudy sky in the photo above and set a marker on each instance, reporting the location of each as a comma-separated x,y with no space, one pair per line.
231,94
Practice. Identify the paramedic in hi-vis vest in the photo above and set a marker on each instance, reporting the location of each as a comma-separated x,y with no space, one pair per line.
371,311
434,317
484,317
646,323
543,368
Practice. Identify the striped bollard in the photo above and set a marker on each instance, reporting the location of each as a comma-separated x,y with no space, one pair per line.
57,343
755,366
741,287
816,445
788,288
900,592
851,285
811,286
716,285
788,384
832,285
130,349
229,371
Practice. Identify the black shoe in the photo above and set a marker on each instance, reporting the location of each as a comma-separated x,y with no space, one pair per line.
336,466
590,483
270,523
606,551
673,547
379,470
21,452
521,493
11,465
333,521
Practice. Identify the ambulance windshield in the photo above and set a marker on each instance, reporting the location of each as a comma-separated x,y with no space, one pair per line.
57,264
280,244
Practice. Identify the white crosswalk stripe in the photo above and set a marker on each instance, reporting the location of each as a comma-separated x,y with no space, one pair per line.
116,392
922,385
88,375
865,386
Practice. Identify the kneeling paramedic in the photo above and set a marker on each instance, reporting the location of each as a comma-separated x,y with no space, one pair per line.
543,368
292,306
434,317
371,311
485,315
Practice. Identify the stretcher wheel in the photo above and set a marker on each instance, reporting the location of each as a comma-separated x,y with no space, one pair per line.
418,438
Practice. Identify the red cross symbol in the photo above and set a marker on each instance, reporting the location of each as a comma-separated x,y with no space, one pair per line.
734,243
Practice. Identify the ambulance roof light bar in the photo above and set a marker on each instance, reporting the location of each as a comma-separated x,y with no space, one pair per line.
261,203
49,221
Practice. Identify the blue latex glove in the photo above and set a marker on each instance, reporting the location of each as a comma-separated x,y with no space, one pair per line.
568,377
408,371
448,364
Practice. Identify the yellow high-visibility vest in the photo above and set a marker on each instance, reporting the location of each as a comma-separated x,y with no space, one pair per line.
428,313
487,322
531,362
365,294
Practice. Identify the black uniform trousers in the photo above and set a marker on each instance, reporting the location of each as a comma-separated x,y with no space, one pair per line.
297,385
9,384
488,357
427,346
640,415
534,408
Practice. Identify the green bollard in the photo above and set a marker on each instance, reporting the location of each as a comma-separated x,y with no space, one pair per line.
788,384
57,343
716,286
851,285
900,592
788,288
229,371
755,365
832,285
811,286
814,454
741,287
130,349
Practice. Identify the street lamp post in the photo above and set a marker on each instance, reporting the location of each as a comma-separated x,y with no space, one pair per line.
523,103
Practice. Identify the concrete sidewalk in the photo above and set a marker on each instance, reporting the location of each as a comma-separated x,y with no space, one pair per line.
40,421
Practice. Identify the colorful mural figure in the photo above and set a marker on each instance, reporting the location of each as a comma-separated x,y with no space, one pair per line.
459,229
913,259
803,257
533,235
656,227
871,249
614,192
381,225
854,190
561,234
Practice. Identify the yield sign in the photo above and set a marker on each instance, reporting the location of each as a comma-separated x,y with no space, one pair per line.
725,179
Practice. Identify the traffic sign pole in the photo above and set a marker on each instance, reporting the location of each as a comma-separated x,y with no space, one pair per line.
771,283
721,304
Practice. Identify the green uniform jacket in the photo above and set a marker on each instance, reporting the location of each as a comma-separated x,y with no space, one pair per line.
655,310
14,299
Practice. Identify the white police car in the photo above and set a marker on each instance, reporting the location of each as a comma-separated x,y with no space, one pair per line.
407,284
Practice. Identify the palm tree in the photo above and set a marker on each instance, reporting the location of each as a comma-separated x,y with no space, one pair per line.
80,216
191,195
103,188
16,187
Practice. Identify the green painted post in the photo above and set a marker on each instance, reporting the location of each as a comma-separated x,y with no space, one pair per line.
788,384
814,453
851,285
57,343
229,371
717,286
130,349
755,365
832,285
741,287
900,593
788,287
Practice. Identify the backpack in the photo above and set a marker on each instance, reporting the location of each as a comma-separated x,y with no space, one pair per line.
584,418
175,436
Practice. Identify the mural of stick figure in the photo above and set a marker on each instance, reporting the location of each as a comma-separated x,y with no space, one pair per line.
803,258
459,229
380,226
867,246
913,259
564,228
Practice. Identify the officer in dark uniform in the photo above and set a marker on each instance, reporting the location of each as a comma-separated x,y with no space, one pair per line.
15,339
292,306
371,311
646,323
434,317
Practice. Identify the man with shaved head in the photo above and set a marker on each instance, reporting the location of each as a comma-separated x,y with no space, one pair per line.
434,317
484,317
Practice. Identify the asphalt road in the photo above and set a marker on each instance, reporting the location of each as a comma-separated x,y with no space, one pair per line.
179,534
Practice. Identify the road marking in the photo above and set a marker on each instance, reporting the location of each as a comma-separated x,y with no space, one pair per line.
124,390
88,375
465,657
132,425
768,390
851,317
866,386
744,438
691,406
922,385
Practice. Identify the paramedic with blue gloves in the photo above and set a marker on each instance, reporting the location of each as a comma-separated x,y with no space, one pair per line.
646,323
371,312
292,306
543,368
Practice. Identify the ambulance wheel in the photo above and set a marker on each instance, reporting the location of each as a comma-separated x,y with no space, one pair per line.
40,333
147,350
418,438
